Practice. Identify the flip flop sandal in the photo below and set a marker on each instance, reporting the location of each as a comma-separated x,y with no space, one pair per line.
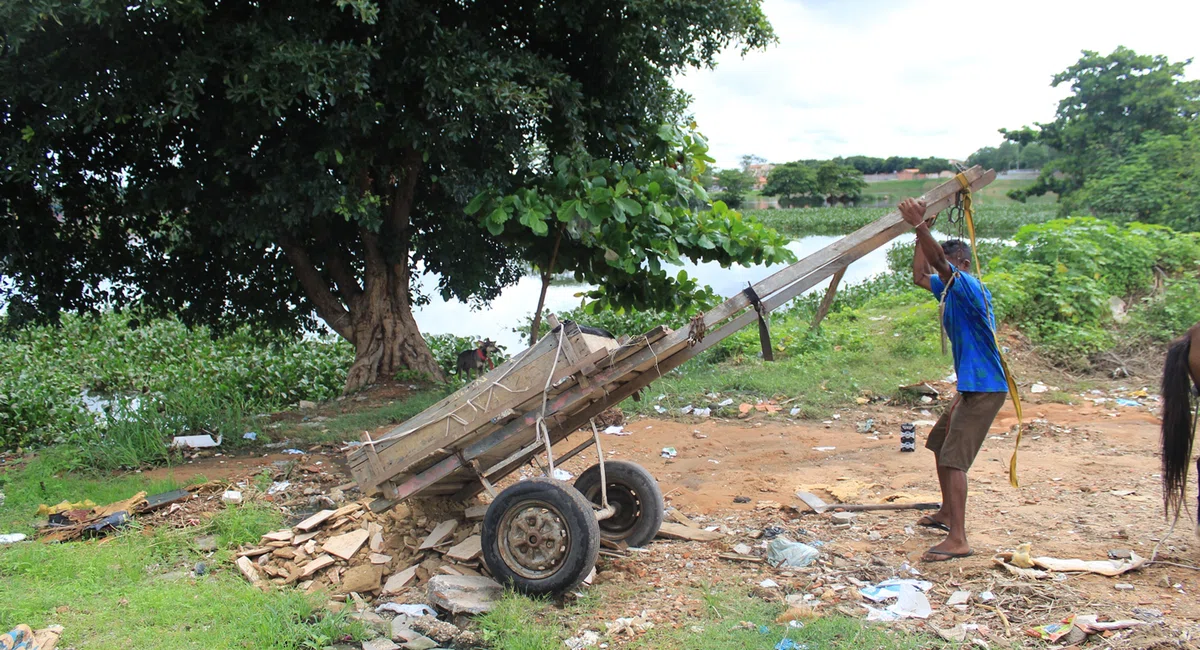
936,525
946,555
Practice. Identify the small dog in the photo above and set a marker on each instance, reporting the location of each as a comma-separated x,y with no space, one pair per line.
474,359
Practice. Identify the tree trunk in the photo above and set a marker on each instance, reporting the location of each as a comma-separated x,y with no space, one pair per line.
386,339
547,275
375,315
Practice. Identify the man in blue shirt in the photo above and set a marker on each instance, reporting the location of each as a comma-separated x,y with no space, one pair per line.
967,316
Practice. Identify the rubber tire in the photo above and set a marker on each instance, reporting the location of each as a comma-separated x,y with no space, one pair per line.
634,478
581,524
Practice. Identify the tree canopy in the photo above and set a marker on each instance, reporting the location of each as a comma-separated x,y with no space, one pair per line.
734,184
1122,107
1011,155
826,180
237,162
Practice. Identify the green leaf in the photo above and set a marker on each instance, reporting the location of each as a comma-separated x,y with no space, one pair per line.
629,206
704,242
476,203
337,156
498,216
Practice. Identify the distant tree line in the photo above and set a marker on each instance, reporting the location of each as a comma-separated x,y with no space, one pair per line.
873,165
827,181
1012,155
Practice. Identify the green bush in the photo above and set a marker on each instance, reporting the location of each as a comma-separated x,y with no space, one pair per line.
1057,282
204,383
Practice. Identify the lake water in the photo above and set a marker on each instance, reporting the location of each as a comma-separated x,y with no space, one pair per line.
518,301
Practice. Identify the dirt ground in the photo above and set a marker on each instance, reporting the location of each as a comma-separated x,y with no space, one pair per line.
1090,484
1089,477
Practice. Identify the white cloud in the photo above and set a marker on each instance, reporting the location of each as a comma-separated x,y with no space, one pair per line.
914,78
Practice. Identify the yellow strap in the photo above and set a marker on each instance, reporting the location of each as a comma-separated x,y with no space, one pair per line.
969,215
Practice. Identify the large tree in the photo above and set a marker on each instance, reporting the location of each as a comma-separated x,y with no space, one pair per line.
1117,101
258,162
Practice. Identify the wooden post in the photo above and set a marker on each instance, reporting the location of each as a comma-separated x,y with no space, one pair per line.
827,301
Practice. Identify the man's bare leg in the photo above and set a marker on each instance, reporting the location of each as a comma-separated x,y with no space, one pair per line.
954,508
941,516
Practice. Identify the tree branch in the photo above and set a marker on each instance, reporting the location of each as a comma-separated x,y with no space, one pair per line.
405,193
337,266
329,308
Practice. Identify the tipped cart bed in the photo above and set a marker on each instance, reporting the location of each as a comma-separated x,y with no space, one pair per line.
542,536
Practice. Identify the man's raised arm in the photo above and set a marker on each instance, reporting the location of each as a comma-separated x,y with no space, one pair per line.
928,250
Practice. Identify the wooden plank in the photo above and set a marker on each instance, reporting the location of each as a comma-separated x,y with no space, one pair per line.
315,520
827,301
677,531
682,518
466,550
345,546
936,199
440,532
740,558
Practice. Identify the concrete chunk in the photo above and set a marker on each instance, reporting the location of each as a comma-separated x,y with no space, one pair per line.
464,594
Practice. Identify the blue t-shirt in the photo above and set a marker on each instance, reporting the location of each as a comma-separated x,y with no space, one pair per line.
969,323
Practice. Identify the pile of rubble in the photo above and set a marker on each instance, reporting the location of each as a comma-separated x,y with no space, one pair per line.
390,555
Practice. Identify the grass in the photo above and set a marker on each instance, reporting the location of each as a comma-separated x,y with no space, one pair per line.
43,480
993,219
996,192
855,352
348,425
519,623
134,591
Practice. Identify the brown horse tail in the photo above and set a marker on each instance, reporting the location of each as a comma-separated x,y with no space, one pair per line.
1176,426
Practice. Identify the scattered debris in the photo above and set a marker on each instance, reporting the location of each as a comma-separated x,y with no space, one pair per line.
12,538
585,639
959,598
677,531
250,435
232,496
669,452
1013,562
23,637
195,442
741,499
617,430
464,594
412,611
865,426
1039,388
782,551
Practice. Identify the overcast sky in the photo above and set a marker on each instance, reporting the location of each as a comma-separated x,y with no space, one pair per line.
914,77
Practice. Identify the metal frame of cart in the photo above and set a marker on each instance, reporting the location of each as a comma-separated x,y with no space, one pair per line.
543,535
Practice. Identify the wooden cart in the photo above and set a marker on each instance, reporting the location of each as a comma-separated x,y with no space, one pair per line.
543,535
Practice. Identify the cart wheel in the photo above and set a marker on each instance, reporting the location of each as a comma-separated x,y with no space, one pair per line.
635,495
540,536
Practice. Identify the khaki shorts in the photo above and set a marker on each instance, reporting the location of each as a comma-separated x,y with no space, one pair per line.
959,433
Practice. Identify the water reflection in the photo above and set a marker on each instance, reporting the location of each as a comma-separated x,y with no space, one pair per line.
510,309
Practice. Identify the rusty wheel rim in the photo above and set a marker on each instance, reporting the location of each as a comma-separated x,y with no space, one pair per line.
534,539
